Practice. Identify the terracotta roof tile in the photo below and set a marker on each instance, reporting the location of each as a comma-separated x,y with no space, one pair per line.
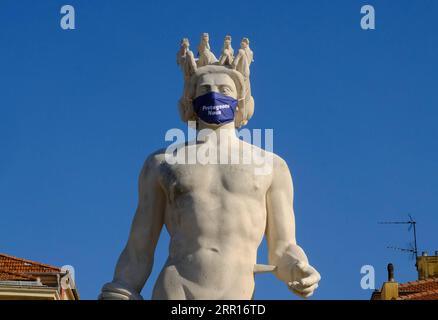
426,295
19,265
419,286
415,290
15,276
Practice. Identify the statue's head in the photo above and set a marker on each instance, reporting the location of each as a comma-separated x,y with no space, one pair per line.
244,43
227,42
216,85
185,43
219,79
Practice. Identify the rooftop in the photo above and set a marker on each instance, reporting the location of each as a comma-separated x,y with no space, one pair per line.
21,267
419,290
26,279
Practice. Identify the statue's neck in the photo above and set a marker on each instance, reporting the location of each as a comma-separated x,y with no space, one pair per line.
226,130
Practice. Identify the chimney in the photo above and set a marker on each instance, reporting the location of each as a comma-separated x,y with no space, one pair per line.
390,288
390,272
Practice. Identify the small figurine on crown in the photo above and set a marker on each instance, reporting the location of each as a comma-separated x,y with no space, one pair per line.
185,59
206,57
227,55
242,62
244,58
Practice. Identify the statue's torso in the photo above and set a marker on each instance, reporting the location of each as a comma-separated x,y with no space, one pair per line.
216,217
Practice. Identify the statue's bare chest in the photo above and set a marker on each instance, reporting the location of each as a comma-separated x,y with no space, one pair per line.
188,180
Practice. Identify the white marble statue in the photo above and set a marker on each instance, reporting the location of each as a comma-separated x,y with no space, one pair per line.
186,60
244,58
242,63
216,214
206,57
227,54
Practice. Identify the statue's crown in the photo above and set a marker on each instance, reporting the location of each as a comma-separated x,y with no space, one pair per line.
189,63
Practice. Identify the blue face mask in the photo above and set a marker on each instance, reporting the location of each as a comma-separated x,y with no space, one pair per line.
215,108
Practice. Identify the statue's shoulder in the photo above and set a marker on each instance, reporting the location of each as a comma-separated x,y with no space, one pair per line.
279,165
157,156
154,161
276,159
279,162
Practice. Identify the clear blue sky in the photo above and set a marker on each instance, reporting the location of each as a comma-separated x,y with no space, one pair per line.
354,114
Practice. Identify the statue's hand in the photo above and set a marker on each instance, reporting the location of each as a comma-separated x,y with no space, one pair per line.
304,279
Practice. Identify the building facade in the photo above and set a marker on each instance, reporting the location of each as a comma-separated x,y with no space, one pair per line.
22,279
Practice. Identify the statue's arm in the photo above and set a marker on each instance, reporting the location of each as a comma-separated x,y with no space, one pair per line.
292,264
135,263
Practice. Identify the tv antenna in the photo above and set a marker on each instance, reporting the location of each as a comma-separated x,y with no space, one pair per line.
412,226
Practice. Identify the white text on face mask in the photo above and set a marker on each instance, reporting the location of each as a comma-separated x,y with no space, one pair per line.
215,108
